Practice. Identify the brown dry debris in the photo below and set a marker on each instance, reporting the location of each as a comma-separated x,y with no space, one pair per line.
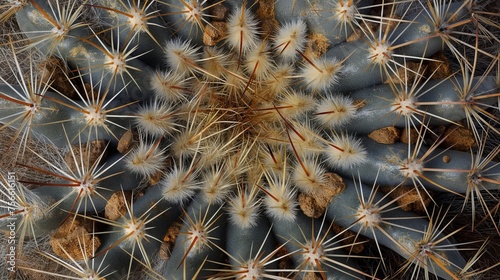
309,206
439,67
284,262
116,207
169,240
317,45
219,12
446,159
409,198
155,178
214,32
310,276
52,71
356,34
460,138
349,238
386,135
314,204
413,136
74,239
126,142
407,74
265,13
89,153
444,71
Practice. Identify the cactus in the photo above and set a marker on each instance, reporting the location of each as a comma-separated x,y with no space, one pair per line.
243,133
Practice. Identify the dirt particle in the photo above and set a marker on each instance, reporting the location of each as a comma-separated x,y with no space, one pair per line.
53,72
116,207
411,138
439,67
214,32
219,12
460,138
311,276
406,75
317,45
265,12
155,178
169,240
73,239
89,153
314,204
126,142
350,238
285,262
386,135
446,159
409,198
